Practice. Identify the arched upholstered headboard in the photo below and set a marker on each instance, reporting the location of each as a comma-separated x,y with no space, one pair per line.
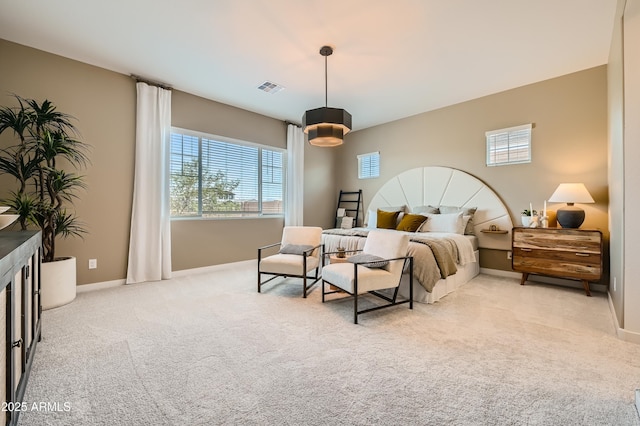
434,185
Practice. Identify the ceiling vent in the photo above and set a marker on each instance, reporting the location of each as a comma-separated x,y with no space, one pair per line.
270,87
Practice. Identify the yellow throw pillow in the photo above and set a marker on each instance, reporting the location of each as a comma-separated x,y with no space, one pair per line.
411,222
387,220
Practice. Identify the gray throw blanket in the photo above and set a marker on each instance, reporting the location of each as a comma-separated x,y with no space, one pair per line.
433,258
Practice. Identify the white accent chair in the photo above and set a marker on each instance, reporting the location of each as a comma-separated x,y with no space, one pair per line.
357,277
300,253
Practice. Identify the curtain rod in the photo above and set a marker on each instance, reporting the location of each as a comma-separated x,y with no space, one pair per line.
287,122
139,79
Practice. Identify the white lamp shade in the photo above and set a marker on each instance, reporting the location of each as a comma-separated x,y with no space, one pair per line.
571,193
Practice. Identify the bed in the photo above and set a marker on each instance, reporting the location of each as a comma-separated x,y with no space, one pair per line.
421,190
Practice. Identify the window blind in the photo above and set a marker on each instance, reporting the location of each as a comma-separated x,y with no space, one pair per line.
214,177
509,146
369,165
184,166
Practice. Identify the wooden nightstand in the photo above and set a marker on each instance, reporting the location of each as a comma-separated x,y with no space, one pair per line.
558,252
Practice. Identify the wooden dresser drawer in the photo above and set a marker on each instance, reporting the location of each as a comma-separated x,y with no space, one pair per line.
583,266
550,239
582,258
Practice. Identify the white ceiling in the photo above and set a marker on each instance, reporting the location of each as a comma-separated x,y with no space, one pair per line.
391,59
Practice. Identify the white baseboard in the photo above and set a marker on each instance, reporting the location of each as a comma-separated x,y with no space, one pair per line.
626,335
500,273
629,336
176,274
99,286
542,279
211,268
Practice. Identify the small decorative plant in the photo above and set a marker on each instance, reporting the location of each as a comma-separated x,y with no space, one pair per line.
45,138
527,212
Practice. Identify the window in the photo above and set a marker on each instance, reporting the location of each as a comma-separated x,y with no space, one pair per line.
509,146
213,176
369,165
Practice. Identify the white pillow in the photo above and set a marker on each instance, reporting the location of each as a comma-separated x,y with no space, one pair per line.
372,219
452,223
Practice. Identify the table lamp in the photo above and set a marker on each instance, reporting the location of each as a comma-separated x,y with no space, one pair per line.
571,216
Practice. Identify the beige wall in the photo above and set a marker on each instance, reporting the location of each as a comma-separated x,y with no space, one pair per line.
197,243
104,103
321,186
569,143
569,114
204,242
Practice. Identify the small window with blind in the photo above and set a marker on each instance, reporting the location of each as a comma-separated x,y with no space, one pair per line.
212,176
509,146
369,165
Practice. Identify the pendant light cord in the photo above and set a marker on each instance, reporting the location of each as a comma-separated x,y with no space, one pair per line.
325,82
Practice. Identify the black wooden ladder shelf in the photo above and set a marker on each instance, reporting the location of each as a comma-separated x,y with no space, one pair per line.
351,202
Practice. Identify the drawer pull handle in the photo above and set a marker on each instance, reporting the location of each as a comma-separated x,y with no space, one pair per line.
582,254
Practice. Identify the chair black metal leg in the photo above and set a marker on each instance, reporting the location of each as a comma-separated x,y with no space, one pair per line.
304,275
259,259
355,308
304,286
411,283
355,293
322,284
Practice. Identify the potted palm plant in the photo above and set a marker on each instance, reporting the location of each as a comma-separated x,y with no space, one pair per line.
45,140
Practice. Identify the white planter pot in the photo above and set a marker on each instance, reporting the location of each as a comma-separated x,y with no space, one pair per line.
526,221
58,282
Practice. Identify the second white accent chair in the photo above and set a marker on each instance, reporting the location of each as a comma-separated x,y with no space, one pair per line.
379,266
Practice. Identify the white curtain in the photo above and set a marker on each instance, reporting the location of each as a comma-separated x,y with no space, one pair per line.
150,239
295,176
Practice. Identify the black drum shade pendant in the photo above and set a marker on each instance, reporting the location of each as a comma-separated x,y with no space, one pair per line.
326,126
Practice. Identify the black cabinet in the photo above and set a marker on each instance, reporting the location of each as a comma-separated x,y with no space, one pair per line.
20,313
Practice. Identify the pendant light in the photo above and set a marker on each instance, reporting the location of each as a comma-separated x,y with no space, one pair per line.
326,126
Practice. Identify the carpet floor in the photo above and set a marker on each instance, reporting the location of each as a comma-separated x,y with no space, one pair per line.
207,349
